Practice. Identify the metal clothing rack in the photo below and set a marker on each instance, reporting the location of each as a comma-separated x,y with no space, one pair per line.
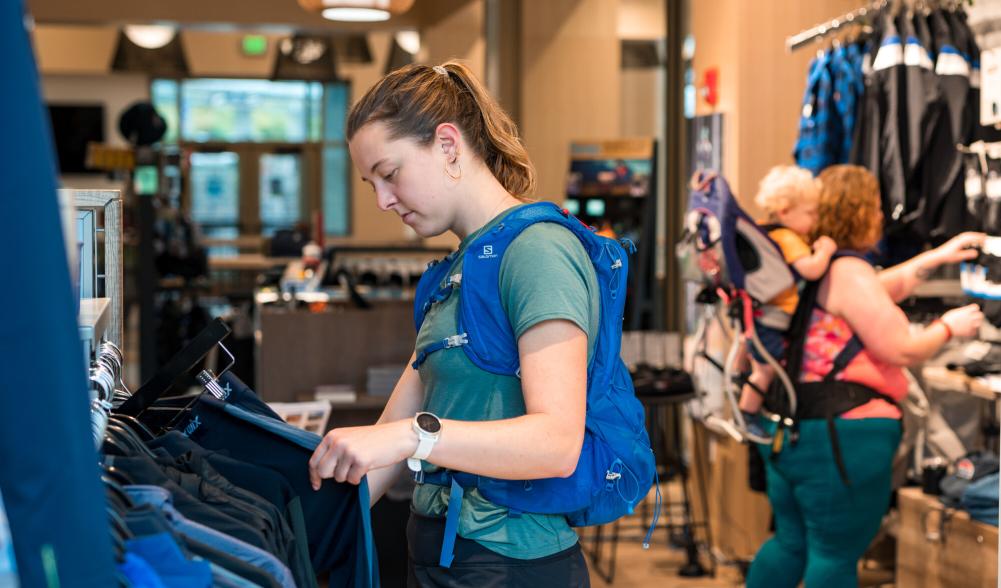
799,40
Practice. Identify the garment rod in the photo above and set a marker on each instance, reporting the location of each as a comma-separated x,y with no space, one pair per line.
799,40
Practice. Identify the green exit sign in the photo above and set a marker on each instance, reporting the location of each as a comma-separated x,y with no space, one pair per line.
254,45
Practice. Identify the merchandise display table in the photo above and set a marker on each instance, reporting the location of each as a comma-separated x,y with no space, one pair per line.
940,547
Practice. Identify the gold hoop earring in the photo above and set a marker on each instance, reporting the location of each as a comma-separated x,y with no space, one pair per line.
456,176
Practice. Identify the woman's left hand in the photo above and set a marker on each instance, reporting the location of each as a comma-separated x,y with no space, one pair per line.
958,249
349,453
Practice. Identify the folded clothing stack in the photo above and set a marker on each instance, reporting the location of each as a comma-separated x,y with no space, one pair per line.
973,486
981,500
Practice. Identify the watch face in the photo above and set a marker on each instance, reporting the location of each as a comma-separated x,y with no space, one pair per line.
428,422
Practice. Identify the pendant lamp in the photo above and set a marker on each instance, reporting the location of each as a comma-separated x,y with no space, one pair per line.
357,10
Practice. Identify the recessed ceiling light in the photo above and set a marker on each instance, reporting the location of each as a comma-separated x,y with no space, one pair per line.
150,36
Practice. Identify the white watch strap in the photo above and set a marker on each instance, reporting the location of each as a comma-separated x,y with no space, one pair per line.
414,464
424,445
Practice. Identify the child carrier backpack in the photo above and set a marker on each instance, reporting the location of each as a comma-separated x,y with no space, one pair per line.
616,466
738,269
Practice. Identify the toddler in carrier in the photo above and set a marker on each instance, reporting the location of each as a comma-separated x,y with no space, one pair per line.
788,195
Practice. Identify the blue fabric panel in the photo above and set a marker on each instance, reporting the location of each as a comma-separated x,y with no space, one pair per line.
49,477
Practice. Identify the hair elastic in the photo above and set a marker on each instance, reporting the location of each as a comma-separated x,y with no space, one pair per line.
440,69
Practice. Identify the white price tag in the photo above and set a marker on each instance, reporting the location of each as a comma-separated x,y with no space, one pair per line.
990,86
993,186
974,185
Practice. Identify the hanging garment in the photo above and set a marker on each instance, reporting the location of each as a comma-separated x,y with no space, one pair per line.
884,149
965,41
161,500
866,142
49,479
337,516
175,571
145,520
139,573
818,144
944,212
186,475
848,89
268,484
924,109
215,511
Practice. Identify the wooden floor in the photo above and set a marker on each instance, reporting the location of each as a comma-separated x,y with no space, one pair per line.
658,566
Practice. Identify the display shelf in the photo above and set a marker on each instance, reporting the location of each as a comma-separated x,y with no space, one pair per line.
94,318
946,380
99,225
334,295
939,289
361,402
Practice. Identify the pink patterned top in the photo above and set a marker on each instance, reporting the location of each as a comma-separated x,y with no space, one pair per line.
826,337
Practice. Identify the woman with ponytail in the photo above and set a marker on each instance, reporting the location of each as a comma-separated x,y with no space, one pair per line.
439,152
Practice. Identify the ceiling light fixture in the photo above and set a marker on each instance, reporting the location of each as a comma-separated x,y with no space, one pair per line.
357,10
346,14
409,41
150,36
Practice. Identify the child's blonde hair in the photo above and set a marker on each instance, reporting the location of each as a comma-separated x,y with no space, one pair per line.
785,185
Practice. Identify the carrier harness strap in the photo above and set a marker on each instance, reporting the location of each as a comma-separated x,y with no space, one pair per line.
847,354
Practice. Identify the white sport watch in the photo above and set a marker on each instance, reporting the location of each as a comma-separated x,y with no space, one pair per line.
428,429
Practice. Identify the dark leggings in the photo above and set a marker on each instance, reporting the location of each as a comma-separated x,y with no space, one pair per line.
822,526
476,566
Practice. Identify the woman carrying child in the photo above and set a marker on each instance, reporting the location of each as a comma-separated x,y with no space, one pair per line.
824,522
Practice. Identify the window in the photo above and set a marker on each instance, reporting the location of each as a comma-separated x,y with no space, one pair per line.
259,124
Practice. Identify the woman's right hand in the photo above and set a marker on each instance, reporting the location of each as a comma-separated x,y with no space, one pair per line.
964,321
962,247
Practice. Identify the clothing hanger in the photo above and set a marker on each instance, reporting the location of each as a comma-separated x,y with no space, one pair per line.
210,383
127,436
118,524
116,476
179,365
113,443
134,425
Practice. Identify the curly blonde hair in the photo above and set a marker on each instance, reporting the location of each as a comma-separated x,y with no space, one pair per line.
849,210
783,186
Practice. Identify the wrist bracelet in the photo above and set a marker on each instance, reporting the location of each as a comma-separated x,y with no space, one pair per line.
948,330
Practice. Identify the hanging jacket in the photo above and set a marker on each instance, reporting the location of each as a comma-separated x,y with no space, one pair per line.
848,88
925,109
818,144
866,136
887,149
945,211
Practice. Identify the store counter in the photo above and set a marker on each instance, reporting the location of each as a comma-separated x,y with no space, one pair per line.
939,547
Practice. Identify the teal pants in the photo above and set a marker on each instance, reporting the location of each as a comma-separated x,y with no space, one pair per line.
822,526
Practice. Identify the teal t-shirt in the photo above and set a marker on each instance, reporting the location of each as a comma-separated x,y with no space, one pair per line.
545,274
